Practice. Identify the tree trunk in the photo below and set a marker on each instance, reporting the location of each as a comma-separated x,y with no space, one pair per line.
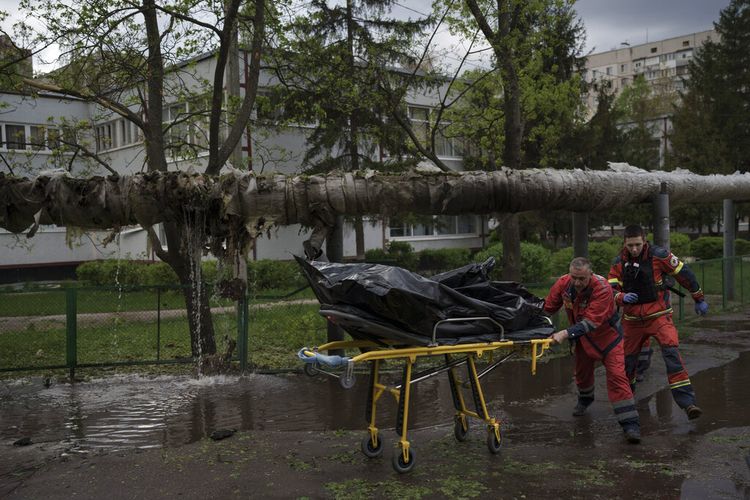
185,240
511,248
202,338
359,236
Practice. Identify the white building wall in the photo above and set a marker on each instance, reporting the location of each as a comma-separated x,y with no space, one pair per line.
276,149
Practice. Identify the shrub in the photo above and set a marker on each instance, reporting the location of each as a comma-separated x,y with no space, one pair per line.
536,264
266,274
601,255
109,272
209,270
403,253
707,247
398,253
742,247
443,259
130,272
561,261
378,255
158,273
495,250
679,244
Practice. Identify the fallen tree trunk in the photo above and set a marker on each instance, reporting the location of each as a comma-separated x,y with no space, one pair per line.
240,201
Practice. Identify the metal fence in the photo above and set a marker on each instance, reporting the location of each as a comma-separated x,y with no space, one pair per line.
72,327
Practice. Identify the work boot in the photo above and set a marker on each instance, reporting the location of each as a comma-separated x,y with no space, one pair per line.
693,412
580,409
633,435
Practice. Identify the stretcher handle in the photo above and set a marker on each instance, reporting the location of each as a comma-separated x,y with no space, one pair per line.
310,356
454,320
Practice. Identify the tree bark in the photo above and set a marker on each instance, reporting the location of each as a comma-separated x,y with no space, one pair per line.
243,201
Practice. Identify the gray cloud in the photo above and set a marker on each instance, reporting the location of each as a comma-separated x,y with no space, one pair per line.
610,22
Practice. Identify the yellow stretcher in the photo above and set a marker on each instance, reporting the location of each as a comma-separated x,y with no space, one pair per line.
378,349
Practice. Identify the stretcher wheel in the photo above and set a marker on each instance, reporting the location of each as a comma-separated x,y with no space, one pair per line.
310,369
493,443
368,449
347,381
459,430
398,462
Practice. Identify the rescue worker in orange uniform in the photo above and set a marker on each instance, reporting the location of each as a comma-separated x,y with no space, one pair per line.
595,328
640,276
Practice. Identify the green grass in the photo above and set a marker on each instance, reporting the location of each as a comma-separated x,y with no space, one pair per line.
275,335
101,299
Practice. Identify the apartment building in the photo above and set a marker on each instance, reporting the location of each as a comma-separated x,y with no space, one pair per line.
662,63
32,128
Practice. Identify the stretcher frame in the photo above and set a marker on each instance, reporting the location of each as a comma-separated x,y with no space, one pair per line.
378,350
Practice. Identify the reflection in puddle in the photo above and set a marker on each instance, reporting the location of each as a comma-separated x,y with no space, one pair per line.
143,412
135,411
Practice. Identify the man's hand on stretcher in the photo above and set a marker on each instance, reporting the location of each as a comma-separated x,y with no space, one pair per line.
558,337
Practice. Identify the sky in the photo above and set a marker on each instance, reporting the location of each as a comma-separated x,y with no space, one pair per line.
612,22
608,23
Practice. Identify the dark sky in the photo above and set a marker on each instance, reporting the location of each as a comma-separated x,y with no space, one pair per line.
610,22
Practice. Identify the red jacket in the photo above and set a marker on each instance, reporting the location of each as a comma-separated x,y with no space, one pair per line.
592,313
663,263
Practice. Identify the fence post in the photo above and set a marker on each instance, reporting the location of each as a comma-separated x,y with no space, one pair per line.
158,323
724,284
242,330
71,331
728,262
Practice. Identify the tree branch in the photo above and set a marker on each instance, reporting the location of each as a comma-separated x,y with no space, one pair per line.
156,245
104,102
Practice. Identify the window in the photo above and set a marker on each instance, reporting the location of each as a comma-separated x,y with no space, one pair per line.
29,137
37,137
623,68
53,138
420,122
439,225
686,43
104,137
653,50
609,70
186,126
268,106
16,135
445,145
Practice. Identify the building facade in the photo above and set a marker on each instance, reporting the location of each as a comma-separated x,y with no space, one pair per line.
663,65
33,129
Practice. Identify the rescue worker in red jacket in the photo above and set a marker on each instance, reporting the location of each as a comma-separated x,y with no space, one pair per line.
640,276
595,328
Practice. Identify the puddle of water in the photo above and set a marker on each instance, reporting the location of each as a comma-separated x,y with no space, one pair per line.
140,412
135,411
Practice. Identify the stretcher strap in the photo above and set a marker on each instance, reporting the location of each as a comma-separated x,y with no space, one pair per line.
309,356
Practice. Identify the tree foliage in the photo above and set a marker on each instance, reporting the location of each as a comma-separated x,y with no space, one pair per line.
711,127
330,64
137,61
711,131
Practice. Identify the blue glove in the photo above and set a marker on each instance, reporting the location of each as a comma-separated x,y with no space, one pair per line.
630,298
701,307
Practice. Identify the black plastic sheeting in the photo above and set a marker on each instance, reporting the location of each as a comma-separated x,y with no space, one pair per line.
377,301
